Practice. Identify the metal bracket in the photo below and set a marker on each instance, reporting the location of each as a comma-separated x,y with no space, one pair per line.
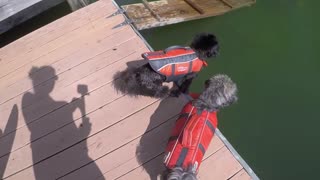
119,11
125,22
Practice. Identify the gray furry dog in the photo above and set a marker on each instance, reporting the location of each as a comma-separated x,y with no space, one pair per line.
220,91
145,81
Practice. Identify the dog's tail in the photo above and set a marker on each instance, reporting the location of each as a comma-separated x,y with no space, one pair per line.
125,82
132,82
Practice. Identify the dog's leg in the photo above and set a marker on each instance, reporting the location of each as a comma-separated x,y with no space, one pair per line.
156,90
183,85
152,86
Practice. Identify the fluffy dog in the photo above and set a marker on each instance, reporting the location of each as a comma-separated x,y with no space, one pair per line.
195,128
144,80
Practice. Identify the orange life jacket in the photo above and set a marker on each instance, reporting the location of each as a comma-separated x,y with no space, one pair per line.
174,62
190,138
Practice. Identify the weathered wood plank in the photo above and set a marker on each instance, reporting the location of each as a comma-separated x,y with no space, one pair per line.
45,111
12,122
241,175
194,6
84,40
66,62
175,11
221,165
67,81
147,6
63,29
157,126
72,133
153,167
226,2
80,73
105,138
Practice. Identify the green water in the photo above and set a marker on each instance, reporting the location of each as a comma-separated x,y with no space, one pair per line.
271,51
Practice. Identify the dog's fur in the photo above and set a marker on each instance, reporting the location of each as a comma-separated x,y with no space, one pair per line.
145,81
220,91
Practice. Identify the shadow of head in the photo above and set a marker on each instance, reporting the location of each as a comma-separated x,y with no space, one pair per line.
40,74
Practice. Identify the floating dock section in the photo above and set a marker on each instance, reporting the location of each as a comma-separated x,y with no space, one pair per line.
147,15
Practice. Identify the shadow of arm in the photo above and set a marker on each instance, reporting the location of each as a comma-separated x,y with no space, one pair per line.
6,147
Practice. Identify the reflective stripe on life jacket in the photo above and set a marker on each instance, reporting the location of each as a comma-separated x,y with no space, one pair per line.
174,62
190,138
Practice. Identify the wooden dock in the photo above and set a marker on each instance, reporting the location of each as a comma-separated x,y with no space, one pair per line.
60,117
147,15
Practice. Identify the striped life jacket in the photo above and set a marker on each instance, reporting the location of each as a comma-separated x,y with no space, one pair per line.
174,62
190,138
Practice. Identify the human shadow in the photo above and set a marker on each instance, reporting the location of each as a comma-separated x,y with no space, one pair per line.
150,151
53,153
7,145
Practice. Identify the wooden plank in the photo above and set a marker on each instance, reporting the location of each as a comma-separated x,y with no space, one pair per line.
194,6
63,29
63,54
46,111
12,122
63,64
68,80
226,2
241,175
67,83
68,63
83,41
175,11
109,136
241,3
147,6
164,9
153,167
236,155
221,165
157,126
71,133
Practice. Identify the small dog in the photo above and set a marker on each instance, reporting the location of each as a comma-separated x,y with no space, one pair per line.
195,128
147,80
